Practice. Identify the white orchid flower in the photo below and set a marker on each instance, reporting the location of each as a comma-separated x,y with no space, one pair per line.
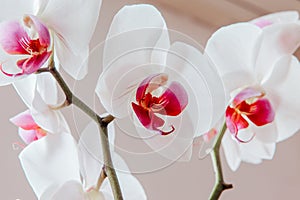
167,93
58,168
29,29
259,71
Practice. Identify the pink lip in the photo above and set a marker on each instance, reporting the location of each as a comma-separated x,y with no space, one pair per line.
172,102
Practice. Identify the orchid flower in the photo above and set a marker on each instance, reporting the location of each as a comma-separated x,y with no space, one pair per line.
40,119
165,93
40,95
260,73
58,168
38,28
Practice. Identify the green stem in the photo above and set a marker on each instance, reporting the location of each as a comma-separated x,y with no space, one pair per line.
220,184
109,168
102,122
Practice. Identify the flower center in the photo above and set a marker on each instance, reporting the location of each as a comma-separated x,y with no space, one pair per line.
250,105
30,39
33,47
171,102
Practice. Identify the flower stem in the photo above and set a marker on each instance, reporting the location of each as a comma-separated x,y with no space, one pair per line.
102,122
220,184
101,178
109,168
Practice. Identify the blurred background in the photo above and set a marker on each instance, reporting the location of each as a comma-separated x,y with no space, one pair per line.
272,180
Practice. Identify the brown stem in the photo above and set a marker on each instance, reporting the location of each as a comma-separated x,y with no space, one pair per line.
102,122
101,178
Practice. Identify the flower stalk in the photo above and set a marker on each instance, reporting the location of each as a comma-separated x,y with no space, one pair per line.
101,178
102,122
220,184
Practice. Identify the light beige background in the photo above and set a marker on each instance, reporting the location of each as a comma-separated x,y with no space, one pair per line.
272,180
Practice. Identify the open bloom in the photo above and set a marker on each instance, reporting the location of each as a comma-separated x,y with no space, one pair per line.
28,34
58,168
165,93
259,71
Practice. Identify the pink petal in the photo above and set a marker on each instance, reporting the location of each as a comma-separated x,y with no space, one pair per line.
32,64
24,120
149,84
150,120
263,23
235,121
28,136
40,133
41,29
173,100
259,112
245,94
11,35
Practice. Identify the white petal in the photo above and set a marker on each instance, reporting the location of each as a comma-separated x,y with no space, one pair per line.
74,63
83,14
267,133
6,80
279,17
15,9
46,85
282,87
128,55
74,40
50,120
256,150
278,40
196,73
70,190
231,151
26,89
50,161
43,84
233,49
175,146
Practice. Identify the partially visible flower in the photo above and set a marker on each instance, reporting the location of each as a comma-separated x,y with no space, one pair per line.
260,73
26,45
29,131
58,168
16,41
165,93
40,95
